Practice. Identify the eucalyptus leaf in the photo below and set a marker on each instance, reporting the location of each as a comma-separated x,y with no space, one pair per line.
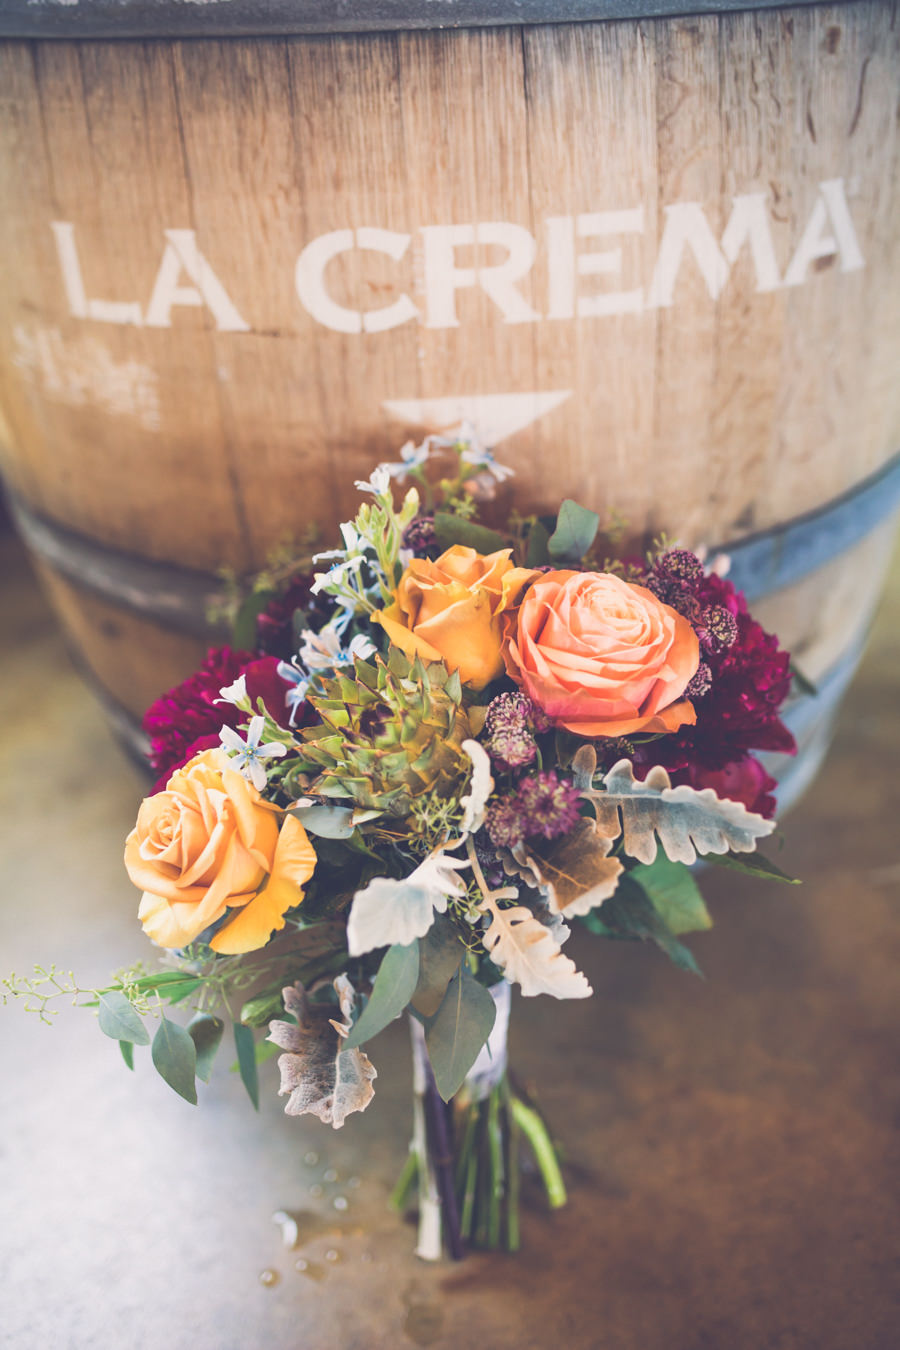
576,529
630,914
127,1048
244,632
538,538
119,1020
394,984
754,864
458,1030
206,1033
328,822
177,992
175,1059
674,894
450,530
245,1045
440,953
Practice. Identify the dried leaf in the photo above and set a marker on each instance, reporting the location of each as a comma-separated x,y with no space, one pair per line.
686,821
575,872
524,949
323,1078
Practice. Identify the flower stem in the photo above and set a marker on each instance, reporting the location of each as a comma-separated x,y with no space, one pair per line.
495,1153
535,1131
442,1162
405,1182
513,1134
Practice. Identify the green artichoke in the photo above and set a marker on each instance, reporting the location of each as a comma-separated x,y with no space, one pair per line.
388,736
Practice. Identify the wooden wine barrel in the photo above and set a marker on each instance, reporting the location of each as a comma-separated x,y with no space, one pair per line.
651,256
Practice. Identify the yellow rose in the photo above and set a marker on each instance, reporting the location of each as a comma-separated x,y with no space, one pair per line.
449,610
209,843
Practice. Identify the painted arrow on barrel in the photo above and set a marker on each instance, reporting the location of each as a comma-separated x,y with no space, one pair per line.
493,417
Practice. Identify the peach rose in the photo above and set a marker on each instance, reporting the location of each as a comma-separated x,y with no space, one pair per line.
449,610
209,843
601,656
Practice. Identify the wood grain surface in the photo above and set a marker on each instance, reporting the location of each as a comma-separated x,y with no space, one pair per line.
711,415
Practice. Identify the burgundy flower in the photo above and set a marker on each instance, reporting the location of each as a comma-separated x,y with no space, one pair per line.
744,780
276,631
739,712
543,804
186,719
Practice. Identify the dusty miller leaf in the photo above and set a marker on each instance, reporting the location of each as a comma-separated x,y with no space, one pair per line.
480,787
394,985
395,911
322,1078
575,871
686,821
674,894
458,1030
524,950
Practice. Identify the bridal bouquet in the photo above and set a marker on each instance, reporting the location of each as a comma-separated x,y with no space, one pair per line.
420,765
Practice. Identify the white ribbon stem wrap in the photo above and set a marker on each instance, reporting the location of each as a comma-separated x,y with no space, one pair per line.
490,1066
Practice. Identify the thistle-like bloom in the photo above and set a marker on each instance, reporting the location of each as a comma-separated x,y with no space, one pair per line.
248,755
543,805
509,728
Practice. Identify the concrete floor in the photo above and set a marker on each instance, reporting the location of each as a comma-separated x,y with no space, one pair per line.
732,1144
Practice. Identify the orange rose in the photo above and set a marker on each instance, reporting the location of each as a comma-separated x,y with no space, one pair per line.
209,843
602,656
449,610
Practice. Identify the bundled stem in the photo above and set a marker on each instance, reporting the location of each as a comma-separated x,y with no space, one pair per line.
465,1158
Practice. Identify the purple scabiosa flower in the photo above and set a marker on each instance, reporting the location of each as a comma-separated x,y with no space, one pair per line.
701,682
503,822
543,804
717,628
508,730
511,724
679,564
420,536
548,803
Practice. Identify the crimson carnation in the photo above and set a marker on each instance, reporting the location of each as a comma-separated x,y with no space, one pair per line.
187,719
276,631
739,712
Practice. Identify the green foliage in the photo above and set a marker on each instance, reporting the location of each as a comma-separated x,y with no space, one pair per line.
245,1045
206,1033
127,1048
458,1030
244,630
630,914
803,683
119,1020
753,864
538,552
452,529
576,529
674,894
440,954
394,984
175,1059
